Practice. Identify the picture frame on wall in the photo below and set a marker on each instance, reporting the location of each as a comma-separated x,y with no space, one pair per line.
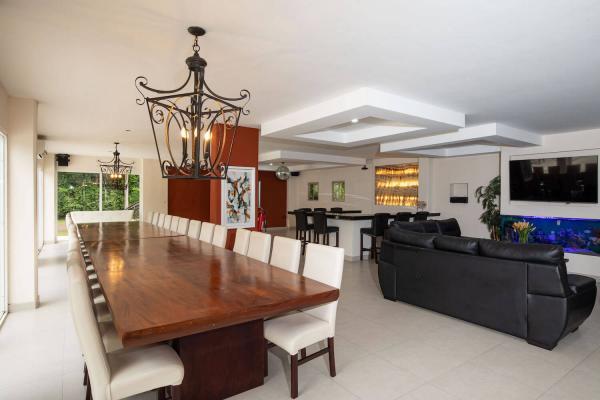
313,191
238,194
338,191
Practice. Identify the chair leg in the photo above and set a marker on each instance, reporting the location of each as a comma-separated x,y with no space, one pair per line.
161,394
294,376
88,392
327,238
331,357
266,357
361,246
85,375
373,243
337,239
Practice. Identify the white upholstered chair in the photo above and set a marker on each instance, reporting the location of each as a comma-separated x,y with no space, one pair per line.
259,247
167,222
194,229
123,373
161,220
219,236
149,217
174,224
286,253
242,239
183,226
295,332
155,218
206,232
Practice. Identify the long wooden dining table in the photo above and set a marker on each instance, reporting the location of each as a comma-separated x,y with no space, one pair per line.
208,302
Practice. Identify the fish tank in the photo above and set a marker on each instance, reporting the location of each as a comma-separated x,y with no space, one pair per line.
575,235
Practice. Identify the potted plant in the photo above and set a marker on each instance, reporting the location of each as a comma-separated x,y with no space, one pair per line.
523,229
488,197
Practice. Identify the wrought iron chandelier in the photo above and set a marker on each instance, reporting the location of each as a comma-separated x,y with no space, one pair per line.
198,126
115,173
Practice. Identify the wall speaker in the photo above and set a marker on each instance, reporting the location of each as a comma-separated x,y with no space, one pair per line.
295,173
62,160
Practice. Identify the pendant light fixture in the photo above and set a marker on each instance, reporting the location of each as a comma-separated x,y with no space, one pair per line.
115,173
194,128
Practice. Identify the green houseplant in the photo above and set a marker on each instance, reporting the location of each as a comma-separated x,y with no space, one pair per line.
488,197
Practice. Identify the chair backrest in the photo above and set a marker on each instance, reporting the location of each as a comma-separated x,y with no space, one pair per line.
174,224
88,333
167,222
206,233
421,216
301,220
320,221
403,216
259,247
149,217
324,264
242,239
286,253
161,220
219,236
336,209
183,226
380,223
155,218
194,229
320,209
83,217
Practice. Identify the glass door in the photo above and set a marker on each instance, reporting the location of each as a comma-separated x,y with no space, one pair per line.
3,288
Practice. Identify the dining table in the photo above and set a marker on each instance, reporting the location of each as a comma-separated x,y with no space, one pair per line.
208,302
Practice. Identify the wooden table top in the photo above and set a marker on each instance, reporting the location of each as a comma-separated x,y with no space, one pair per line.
164,288
120,231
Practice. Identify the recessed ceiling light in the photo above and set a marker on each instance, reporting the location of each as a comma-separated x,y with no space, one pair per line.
354,120
270,163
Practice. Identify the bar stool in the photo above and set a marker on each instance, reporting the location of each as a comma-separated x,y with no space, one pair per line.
421,216
320,209
379,224
403,216
302,228
301,209
321,228
336,209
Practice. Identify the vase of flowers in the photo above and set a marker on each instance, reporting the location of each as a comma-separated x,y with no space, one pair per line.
523,229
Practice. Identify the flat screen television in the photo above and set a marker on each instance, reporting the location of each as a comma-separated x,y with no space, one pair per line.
564,179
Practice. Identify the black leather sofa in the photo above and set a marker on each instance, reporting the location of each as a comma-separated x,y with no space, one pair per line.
522,290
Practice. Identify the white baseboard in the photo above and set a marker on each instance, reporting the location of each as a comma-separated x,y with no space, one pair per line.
22,306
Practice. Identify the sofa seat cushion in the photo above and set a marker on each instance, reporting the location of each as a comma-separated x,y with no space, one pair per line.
580,283
417,239
457,244
448,227
533,253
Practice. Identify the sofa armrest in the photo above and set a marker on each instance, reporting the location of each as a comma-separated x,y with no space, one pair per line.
580,283
547,280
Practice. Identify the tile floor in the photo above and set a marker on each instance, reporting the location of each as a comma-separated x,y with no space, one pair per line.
384,350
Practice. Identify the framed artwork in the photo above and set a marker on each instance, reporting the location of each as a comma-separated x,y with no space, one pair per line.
238,193
338,191
313,190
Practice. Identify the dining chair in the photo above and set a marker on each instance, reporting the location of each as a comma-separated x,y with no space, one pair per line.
321,228
286,253
403,216
242,239
194,229
149,217
174,224
295,332
259,246
421,216
219,238
121,374
167,222
182,228
206,232
161,220
155,218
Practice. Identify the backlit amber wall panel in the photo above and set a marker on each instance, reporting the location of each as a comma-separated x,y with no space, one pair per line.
397,185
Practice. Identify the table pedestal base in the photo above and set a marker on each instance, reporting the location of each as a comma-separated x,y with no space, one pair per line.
222,362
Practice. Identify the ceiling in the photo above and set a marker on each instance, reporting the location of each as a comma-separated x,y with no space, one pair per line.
529,65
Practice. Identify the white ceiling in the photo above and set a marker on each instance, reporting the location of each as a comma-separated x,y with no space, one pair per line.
532,65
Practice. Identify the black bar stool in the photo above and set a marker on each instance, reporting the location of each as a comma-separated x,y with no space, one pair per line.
302,228
300,209
403,216
421,216
379,224
320,209
321,228
336,209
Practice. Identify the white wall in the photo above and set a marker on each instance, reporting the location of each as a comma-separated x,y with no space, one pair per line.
22,146
559,145
3,109
154,189
473,170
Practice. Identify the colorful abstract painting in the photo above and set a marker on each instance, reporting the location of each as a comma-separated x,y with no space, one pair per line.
237,198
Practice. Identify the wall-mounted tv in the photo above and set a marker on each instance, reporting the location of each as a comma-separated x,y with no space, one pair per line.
564,179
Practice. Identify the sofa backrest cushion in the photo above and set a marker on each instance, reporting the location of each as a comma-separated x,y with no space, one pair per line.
408,226
533,253
448,226
429,226
410,238
457,244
